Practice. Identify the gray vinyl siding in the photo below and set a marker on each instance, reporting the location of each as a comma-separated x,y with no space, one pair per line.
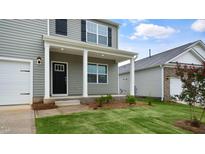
23,39
75,75
124,83
74,30
147,82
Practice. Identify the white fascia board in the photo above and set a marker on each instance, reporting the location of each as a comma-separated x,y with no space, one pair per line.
83,45
190,49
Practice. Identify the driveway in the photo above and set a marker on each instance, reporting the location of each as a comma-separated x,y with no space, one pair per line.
17,120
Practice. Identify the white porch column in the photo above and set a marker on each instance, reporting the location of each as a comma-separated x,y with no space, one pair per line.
85,73
132,76
47,70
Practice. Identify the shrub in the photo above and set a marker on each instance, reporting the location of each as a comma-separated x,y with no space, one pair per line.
101,100
130,99
108,98
104,99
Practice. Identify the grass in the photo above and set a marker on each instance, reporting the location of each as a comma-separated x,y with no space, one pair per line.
134,120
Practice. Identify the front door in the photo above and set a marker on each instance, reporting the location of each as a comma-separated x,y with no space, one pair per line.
59,78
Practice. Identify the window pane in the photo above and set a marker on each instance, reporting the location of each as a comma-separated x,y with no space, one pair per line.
102,78
91,27
102,40
91,37
61,26
92,68
92,78
102,30
102,69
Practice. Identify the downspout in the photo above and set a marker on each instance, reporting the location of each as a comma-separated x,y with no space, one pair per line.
162,82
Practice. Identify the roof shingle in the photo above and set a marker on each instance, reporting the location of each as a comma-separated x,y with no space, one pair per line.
156,60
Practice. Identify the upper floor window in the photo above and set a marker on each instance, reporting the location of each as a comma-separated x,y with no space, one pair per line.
102,34
97,33
91,32
61,26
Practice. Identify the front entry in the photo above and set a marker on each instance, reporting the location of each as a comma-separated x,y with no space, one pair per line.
59,78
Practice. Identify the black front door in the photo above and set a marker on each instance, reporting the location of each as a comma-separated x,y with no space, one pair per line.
59,78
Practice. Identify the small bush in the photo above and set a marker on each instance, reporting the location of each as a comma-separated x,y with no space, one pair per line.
101,100
108,98
130,99
104,99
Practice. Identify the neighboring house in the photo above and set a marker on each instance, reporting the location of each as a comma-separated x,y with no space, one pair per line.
54,59
155,76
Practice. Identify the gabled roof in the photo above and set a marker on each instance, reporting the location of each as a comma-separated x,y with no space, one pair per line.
158,59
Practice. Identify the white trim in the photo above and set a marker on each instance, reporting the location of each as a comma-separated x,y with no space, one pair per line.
162,83
66,94
132,76
188,50
118,80
97,33
46,70
198,54
85,73
99,74
198,42
31,72
79,45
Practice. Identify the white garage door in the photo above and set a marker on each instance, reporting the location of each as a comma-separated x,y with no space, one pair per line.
175,86
15,85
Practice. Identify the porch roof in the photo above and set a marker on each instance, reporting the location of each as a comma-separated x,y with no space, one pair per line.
55,41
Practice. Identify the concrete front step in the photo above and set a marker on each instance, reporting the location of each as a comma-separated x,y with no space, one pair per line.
67,102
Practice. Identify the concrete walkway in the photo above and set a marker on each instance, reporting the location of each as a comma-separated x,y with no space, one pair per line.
17,120
64,110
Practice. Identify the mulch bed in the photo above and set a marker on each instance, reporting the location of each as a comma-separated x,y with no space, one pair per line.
186,124
43,106
115,105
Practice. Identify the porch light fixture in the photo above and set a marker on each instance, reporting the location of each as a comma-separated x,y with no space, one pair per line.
38,60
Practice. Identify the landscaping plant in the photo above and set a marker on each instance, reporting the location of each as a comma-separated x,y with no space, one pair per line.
104,99
108,98
130,99
193,92
101,100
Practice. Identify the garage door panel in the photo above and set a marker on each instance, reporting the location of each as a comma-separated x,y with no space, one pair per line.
175,86
15,85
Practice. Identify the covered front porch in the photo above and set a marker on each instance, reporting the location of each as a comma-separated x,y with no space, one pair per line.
75,69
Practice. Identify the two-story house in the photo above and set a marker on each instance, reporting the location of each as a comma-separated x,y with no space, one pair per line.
48,60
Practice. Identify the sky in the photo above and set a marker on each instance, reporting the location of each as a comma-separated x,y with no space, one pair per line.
140,35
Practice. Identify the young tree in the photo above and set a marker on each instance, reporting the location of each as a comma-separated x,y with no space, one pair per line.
193,79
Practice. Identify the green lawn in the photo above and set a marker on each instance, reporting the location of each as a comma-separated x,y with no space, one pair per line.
134,120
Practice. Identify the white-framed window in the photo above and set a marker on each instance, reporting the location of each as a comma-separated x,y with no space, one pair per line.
96,33
102,34
91,32
97,73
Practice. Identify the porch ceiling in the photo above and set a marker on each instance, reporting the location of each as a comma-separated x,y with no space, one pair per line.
90,54
65,45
